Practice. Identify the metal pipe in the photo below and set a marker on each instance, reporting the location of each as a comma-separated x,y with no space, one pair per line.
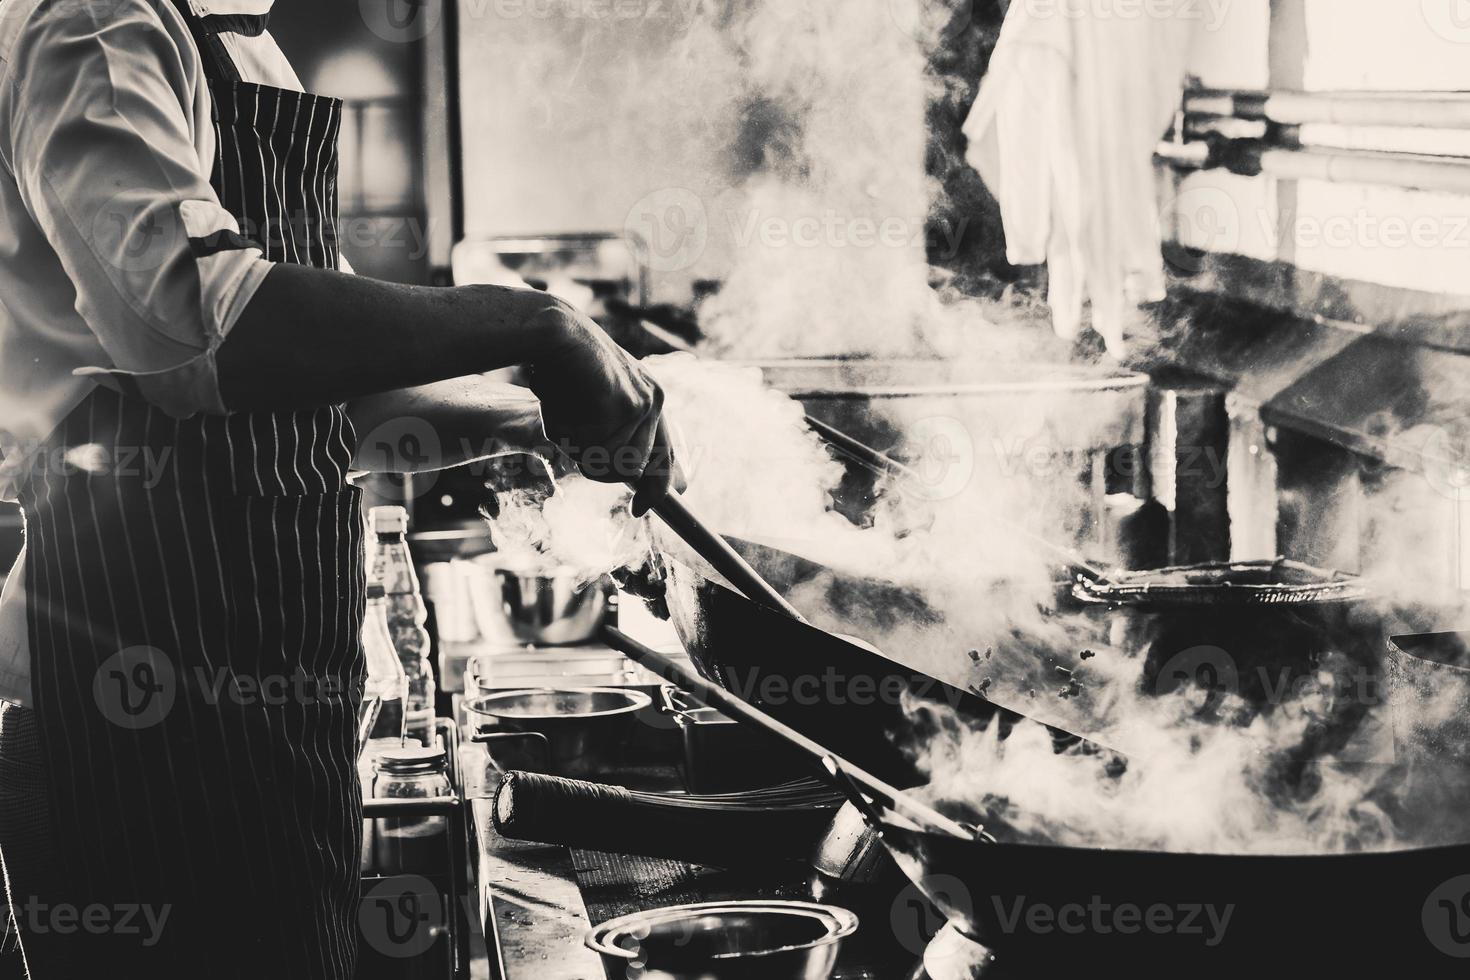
1417,110
1449,175
1409,171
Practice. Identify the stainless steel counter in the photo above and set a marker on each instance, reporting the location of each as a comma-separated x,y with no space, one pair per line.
529,903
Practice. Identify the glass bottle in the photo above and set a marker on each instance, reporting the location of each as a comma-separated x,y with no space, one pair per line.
393,569
386,681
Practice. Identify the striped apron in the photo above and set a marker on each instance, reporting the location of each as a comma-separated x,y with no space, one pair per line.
196,593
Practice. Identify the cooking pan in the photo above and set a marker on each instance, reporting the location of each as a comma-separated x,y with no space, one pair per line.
1048,911
1260,626
828,680
833,688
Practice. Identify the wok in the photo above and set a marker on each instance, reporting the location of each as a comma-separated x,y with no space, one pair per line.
1048,911
839,689
829,687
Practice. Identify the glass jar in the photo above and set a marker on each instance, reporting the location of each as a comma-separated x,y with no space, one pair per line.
411,844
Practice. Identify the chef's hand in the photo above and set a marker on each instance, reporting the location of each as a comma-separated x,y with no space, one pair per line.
602,409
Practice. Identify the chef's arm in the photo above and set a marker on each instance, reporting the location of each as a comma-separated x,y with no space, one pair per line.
97,129
433,427
311,337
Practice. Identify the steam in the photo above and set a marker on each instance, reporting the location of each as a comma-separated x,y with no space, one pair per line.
752,464
828,230
1203,772
1207,786
822,102
578,524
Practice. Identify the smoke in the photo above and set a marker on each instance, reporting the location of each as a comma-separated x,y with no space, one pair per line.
1209,786
576,524
820,104
753,466
827,230
1204,771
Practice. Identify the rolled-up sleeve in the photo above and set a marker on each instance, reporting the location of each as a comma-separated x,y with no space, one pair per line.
99,114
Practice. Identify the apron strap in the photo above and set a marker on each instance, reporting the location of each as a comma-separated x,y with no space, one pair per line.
218,65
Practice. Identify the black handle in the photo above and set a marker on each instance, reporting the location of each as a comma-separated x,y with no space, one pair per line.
717,551
598,817
717,697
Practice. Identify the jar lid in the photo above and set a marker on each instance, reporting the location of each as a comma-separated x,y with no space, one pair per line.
411,758
389,519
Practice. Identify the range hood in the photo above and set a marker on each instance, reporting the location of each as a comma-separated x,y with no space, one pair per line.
1403,404
1387,396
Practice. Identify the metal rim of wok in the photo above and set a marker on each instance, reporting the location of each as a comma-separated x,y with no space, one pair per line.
838,924
485,705
1152,587
865,378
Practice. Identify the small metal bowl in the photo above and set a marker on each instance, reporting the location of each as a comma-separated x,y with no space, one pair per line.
725,941
584,729
551,607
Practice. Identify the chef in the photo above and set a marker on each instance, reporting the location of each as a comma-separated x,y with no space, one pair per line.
184,372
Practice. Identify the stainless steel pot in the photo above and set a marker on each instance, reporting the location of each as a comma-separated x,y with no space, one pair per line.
582,730
1429,697
725,940
551,607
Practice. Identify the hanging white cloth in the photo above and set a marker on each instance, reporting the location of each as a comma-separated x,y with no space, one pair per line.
1063,132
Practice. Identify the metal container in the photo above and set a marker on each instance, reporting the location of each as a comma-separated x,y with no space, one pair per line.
551,607
582,731
720,754
977,428
725,941
1429,696
1252,628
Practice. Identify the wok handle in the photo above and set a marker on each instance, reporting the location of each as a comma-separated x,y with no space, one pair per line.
714,549
851,776
539,740
854,793
860,451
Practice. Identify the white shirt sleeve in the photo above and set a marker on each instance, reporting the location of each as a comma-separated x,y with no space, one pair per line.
98,125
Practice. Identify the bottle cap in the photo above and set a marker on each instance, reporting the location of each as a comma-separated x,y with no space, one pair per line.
390,519
375,590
